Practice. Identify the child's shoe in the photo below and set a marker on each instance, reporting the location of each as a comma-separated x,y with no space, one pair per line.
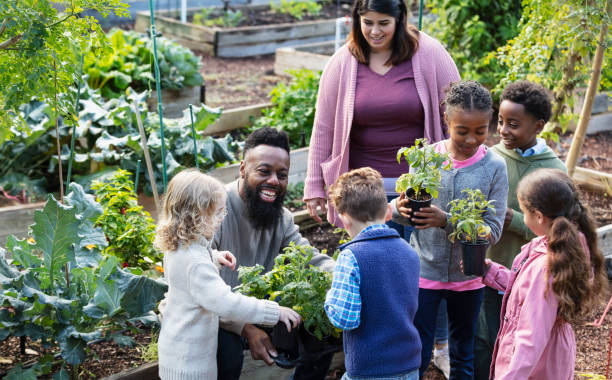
441,360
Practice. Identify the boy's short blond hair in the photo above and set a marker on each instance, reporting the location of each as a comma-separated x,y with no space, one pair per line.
360,194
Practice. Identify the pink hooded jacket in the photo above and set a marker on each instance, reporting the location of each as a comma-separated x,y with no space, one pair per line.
532,343
434,69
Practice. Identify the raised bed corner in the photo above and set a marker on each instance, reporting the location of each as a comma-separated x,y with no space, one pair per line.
236,42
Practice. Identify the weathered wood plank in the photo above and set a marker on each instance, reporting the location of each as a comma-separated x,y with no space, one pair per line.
237,51
15,220
147,371
235,118
176,101
274,32
170,27
593,180
289,58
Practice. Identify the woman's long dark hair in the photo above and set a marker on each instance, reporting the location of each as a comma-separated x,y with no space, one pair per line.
405,39
578,278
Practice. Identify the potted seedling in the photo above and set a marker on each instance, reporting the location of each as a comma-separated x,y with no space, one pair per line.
422,182
292,282
471,229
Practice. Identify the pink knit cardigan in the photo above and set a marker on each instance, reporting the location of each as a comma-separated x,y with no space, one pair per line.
434,69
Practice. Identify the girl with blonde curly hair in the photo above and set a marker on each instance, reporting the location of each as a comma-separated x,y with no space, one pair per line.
198,300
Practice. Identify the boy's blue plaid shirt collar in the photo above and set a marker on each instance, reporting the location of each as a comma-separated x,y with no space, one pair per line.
374,227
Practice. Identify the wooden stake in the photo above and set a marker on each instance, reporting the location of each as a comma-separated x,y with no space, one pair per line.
585,115
143,141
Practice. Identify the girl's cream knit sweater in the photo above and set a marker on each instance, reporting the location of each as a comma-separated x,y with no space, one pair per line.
196,301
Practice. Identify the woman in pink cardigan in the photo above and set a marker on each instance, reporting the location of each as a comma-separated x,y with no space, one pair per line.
553,281
378,93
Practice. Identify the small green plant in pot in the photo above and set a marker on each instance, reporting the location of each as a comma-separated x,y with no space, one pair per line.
294,283
471,229
422,182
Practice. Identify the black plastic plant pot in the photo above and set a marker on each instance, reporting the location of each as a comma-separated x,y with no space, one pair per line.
310,343
474,257
286,344
416,203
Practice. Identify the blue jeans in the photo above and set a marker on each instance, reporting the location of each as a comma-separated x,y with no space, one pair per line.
412,375
230,357
441,334
462,309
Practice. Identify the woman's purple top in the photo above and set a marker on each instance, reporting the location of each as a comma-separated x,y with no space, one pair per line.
388,115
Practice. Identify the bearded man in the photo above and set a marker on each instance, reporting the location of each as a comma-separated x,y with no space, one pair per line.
256,229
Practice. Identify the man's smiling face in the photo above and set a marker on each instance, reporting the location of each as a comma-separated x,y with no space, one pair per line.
265,175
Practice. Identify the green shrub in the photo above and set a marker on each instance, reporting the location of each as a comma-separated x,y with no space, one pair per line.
293,107
470,29
129,229
130,63
293,283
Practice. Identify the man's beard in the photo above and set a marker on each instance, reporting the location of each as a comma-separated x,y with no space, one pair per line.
262,214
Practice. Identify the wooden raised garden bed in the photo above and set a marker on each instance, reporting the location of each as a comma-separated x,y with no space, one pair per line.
242,41
312,56
176,101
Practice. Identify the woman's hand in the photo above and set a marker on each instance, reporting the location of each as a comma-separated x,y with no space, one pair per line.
312,205
289,317
428,217
227,259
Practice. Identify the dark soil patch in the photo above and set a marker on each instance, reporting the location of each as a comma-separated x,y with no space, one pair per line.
323,237
104,358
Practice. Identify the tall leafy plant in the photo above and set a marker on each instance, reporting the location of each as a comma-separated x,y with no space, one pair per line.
470,29
555,44
60,290
129,229
37,56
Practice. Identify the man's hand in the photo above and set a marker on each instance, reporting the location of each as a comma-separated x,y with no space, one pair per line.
508,218
259,343
429,217
312,205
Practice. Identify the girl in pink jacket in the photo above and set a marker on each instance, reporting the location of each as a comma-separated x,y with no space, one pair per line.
553,281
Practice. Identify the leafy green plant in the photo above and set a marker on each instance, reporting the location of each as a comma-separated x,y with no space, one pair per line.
467,217
295,193
296,8
470,29
212,17
425,166
129,229
554,48
107,137
293,107
59,289
40,52
130,64
294,283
